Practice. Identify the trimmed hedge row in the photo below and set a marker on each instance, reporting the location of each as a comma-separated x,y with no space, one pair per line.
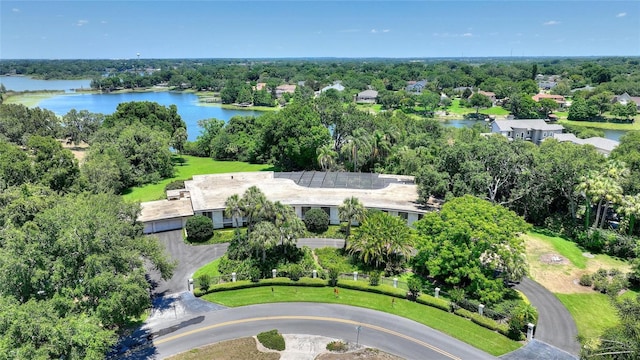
245,284
380,289
424,299
483,321
434,302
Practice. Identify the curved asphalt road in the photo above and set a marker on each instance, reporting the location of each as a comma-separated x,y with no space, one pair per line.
555,324
386,332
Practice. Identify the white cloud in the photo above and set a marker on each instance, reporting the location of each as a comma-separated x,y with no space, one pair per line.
15,10
386,30
103,22
373,31
622,14
551,22
82,22
467,35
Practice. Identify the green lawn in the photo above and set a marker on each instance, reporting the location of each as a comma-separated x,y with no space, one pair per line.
566,248
211,269
605,125
192,166
456,326
593,313
455,108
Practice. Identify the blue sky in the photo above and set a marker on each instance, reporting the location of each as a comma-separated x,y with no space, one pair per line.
93,29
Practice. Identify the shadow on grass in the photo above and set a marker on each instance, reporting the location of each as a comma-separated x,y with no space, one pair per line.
177,160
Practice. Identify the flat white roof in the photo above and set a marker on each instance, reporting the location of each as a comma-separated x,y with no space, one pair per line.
209,192
165,209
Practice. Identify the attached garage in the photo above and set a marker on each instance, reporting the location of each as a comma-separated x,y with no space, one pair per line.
162,225
165,215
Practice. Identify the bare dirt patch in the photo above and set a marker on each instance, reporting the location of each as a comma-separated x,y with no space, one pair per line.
557,273
78,150
250,348
238,349
371,354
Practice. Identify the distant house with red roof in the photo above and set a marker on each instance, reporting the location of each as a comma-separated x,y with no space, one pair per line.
557,98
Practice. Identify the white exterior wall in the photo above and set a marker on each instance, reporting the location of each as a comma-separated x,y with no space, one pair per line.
413,217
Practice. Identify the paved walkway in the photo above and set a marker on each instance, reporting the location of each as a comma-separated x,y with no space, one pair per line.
555,324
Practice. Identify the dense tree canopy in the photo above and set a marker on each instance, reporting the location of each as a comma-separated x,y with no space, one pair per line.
79,262
468,243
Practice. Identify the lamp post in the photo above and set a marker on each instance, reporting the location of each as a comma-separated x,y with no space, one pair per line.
358,334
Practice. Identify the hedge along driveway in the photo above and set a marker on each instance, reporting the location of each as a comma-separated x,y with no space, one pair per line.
282,290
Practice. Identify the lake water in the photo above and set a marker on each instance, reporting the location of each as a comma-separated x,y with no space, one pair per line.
25,83
188,107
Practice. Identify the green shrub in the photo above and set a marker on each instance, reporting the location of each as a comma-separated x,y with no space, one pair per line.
586,280
380,289
456,295
272,339
254,274
199,228
329,257
482,321
334,273
316,220
295,272
337,346
245,284
433,302
374,278
204,281
415,286
174,185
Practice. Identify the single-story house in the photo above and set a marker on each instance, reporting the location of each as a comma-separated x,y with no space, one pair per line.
367,96
603,145
286,88
415,87
557,98
534,130
336,85
625,98
547,85
489,94
206,195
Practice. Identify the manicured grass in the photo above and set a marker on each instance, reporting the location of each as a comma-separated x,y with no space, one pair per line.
605,125
456,326
192,166
211,269
593,313
221,236
566,248
333,232
455,108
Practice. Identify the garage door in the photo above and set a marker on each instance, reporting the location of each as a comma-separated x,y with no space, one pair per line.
165,225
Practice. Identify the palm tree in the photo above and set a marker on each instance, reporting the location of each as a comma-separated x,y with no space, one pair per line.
264,237
630,207
326,157
604,189
255,206
382,239
233,209
356,142
288,224
351,210
380,146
